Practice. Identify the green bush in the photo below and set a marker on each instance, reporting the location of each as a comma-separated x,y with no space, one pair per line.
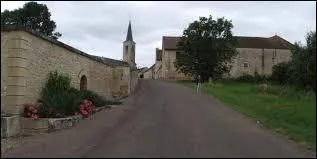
280,73
58,94
252,79
245,78
60,99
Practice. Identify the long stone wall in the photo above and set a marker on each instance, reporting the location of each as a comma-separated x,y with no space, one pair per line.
259,60
252,58
26,61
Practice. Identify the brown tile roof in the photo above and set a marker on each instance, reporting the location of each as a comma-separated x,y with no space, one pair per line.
275,42
103,60
170,42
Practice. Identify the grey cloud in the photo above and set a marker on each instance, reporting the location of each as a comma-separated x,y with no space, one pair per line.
100,27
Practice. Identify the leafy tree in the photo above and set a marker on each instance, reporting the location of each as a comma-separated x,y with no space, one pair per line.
32,15
303,63
208,47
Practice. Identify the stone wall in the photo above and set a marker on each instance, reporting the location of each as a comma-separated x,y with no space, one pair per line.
148,74
254,61
157,70
4,55
26,61
252,58
168,70
134,79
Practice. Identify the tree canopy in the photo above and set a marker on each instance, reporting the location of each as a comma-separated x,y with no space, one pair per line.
31,15
302,69
208,47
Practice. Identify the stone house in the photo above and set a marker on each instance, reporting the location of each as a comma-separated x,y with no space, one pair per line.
255,54
27,57
148,74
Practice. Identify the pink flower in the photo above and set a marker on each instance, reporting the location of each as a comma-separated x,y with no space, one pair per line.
31,108
29,114
34,117
84,112
34,111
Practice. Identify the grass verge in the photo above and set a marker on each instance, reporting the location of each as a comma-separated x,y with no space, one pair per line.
285,110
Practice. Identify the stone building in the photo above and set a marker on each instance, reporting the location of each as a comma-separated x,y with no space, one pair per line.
27,57
148,74
255,54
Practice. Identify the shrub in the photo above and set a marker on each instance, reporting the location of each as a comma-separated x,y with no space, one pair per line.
97,100
280,73
57,94
60,99
245,78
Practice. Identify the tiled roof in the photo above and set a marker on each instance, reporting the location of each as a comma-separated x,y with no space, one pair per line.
106,61
275,42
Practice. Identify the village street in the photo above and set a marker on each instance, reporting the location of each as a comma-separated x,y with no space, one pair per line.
162,119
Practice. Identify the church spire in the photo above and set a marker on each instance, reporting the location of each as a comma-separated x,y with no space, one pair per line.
129,35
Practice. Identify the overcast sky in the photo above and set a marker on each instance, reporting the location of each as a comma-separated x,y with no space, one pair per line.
99,28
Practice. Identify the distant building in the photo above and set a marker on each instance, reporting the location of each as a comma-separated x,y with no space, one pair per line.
255,54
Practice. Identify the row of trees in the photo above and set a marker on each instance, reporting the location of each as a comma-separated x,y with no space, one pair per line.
209,47
31,15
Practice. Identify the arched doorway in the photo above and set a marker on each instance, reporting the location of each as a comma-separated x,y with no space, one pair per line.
141,76
83,83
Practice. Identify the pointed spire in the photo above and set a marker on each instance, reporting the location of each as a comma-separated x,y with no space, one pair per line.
129,35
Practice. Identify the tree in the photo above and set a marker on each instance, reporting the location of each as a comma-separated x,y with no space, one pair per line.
303,63
32,15
280,72
208,48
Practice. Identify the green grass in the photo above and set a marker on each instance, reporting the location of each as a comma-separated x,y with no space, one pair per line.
282,109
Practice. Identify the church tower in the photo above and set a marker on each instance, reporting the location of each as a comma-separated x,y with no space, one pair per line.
129,48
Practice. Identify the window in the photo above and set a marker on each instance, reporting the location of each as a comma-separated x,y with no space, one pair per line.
126,49
245,65
83,83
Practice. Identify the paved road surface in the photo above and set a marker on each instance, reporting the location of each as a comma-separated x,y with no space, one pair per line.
163,119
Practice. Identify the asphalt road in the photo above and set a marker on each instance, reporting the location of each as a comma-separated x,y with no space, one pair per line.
163,119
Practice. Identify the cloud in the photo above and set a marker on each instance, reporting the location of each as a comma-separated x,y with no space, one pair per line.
99,27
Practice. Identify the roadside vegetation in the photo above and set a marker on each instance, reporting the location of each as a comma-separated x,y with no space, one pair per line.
284,101
59,99
284,109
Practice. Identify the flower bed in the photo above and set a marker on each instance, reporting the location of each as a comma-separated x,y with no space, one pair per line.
47,125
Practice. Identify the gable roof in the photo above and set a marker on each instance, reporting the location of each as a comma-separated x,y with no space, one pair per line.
103,60
275,42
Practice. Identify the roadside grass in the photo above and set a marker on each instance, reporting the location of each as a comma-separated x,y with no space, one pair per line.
285,110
